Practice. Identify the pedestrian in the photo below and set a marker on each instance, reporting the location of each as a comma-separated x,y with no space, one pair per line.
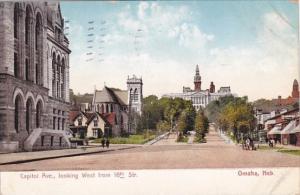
107,143
103,143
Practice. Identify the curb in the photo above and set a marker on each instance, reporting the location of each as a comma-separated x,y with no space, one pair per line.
63,156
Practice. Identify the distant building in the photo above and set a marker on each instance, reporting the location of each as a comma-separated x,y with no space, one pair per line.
117,105
294,98
200,98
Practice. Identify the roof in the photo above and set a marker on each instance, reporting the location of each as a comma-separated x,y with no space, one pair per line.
296,130
289,128
111,95
92,116
73,114
275,130
285,113
110,117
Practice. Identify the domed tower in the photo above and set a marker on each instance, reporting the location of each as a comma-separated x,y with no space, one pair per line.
295,92
197,79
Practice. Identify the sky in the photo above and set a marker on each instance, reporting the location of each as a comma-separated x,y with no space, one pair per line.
250,46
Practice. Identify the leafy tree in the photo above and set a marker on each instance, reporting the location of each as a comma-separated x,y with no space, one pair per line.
201,126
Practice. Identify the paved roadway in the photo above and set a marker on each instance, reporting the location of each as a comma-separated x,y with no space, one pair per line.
167,154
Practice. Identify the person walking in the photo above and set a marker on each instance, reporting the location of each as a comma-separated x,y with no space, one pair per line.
107,143
103,143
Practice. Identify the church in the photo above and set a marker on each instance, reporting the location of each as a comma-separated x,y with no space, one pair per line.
121,105
34,77
199,97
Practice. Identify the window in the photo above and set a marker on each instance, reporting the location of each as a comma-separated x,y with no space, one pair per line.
51,143
54,121
135,95
63,124
29,115
18,109
16,65
79,120
38,114
42,140
96,122
54,110
58,123
16,20
95,133
60,141
111,108
27,69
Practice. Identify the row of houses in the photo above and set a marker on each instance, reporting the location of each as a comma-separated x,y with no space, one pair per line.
283,125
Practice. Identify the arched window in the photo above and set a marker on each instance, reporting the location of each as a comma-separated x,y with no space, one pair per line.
53,75
111,107
28,42
16,20
29,114
39,48
131,95
58,69
107,108
18,111
39,114
17,70
102,109
63,79
135,95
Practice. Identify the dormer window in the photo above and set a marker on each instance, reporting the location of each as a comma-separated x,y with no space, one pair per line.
96,122
80,121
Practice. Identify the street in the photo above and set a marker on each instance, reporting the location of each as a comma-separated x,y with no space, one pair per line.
167,154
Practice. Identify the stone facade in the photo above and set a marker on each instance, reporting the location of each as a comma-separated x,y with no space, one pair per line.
34,77
200,98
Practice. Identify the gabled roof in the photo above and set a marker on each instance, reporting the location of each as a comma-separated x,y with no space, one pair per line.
92,115
110,117
73,114
108,95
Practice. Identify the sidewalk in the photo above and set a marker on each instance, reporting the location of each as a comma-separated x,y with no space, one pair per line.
23,157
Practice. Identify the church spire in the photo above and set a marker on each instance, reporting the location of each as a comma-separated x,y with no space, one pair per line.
197,79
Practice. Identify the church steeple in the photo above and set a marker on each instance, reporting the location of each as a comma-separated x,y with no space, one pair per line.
197,79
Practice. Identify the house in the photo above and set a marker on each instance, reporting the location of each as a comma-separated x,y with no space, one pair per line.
89,124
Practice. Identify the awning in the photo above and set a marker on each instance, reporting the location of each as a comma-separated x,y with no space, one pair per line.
296,130
289,128
275,130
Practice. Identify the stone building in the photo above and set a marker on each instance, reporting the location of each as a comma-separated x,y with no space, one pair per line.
34,77
119,105
200,98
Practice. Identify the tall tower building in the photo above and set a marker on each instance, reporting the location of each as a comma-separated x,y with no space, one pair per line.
197,80
135,93
295,92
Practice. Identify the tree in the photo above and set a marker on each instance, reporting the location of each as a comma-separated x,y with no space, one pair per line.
163,126
201,126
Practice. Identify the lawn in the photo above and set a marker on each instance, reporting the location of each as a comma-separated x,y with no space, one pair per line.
280,149
294,152
132,139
